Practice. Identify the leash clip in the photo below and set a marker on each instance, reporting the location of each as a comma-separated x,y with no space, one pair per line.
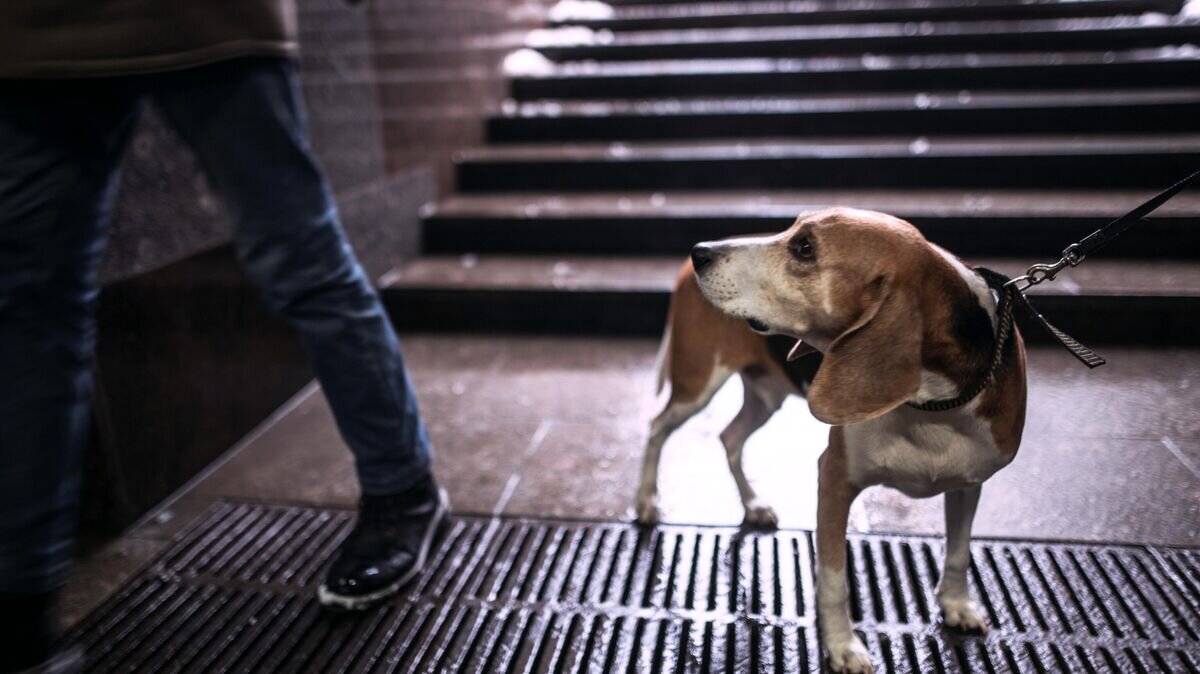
1039,273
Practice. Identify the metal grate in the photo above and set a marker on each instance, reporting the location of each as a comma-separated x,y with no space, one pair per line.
235,593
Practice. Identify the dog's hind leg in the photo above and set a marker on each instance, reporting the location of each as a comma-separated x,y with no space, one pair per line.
760,401
682,406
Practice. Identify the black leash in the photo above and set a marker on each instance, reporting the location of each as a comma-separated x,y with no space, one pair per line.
1077,252
1012,294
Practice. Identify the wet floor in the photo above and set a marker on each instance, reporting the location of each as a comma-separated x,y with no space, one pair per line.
554,427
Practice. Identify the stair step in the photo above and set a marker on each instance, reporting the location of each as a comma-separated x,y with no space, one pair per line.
1100,301
996,223
522,294
397,90
813,12
882,38
1140,68
1001,162
945,113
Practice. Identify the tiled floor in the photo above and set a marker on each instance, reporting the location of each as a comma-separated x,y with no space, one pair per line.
555,426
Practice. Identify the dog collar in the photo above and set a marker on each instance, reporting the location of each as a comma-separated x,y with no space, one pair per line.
1004,328
1012,292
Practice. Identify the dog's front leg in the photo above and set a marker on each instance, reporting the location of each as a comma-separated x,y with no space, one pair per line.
834,496
953,593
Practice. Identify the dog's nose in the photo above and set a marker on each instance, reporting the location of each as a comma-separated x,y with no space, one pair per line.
702,256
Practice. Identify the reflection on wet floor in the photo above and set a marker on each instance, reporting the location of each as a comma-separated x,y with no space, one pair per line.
553,427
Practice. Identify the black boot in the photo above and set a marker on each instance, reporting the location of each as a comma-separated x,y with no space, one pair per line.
387,548
27,623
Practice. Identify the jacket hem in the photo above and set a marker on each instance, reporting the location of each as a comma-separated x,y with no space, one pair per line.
145,65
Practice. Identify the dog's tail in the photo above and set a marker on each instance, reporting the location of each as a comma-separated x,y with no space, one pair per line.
663,361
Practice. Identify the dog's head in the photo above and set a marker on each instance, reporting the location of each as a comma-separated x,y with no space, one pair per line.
842,280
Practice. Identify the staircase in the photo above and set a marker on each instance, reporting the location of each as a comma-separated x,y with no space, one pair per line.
1003,129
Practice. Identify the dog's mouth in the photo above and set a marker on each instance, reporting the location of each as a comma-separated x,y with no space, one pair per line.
758,326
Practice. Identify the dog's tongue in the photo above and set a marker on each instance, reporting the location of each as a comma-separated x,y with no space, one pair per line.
801,349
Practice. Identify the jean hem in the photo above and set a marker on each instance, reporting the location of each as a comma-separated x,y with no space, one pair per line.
413,475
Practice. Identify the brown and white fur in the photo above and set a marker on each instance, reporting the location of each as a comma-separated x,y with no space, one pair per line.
896,319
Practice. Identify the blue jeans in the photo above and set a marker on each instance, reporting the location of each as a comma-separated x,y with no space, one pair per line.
60,146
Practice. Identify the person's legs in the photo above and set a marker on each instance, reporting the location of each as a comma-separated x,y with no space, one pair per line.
245,121
60,144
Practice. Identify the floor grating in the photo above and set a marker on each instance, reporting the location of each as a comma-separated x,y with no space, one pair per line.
236,593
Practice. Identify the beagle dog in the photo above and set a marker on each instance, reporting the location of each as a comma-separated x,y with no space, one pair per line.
898,322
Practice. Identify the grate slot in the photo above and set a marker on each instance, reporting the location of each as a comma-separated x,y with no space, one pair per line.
329,536
204,536
1179,603
399,620
646,554
263,570
855,580
231,644
532,642
211,561
561,580
722,574
549,646
542,566
566,651
590,560
357,643
187,645
146,635
666,593
430,635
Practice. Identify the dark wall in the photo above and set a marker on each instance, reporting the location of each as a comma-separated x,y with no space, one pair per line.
187,362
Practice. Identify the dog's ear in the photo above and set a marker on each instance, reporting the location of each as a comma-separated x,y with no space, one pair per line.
874,366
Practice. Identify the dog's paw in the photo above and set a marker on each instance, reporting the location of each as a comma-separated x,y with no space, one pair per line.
760,515
963,614
647,509
850,657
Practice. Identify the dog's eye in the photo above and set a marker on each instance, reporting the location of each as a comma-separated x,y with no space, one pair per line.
802,249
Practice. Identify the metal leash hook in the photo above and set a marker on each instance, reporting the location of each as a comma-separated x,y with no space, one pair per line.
1076,252
1038,273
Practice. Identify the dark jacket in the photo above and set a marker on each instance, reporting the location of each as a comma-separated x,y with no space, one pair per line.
95,38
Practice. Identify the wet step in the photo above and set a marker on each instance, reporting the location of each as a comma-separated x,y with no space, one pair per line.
883,38
463,86
991,162
419,20
996,223
568,295
1102,301
416,59
628,16
944,113
1138,68
461,51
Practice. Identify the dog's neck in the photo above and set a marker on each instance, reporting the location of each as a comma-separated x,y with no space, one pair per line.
959,320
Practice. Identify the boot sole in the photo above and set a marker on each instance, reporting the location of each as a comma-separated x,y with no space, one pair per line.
342,602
